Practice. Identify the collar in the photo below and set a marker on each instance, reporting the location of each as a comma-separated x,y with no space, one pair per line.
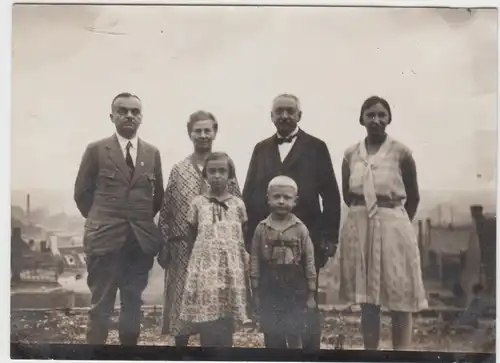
123,141
292,135
292,222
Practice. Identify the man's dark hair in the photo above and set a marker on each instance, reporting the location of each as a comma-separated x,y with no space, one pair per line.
123,95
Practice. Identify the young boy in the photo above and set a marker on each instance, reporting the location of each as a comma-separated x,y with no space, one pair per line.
282,268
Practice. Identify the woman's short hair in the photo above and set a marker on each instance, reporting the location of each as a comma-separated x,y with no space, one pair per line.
218,155
371,101
201,116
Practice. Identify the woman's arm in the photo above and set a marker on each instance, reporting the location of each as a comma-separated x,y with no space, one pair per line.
165,218
166,212
192,219
346,175
409,174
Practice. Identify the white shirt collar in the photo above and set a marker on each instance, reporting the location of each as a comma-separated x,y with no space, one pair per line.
123,141
294,132
292,222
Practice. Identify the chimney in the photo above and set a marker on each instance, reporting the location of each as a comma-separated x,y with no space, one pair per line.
16,233
428,228
476,211
421,243
28,207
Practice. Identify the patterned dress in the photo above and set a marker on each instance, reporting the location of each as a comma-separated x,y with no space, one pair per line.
378,260
216,282
184,184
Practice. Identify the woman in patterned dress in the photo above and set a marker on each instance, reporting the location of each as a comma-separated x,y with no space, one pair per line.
215,295
185,183
377,264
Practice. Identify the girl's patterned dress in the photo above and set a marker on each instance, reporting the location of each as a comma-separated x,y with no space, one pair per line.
216,283
184,184
378,260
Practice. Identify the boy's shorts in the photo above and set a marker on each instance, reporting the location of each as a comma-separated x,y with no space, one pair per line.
283,297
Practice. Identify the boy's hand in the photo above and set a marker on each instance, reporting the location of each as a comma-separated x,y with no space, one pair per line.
311,303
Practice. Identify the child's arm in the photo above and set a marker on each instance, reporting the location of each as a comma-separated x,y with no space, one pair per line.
254,258
309,266
242,210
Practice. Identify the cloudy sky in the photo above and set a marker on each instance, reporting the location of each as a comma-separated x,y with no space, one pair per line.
437,68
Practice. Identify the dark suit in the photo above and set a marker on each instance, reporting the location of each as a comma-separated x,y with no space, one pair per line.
310,166
120,237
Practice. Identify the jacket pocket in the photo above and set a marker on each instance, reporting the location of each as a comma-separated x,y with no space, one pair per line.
151,178
106,178
92,226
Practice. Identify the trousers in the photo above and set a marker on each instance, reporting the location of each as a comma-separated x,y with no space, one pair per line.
126,270
311,336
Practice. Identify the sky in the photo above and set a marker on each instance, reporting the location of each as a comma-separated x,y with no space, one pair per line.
436,67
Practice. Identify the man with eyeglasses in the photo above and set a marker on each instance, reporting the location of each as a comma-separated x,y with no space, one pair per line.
305,159
119,190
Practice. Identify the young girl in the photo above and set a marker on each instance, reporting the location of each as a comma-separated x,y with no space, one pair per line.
282,268
215,294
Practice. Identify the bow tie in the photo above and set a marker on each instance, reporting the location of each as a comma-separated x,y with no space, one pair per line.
286,140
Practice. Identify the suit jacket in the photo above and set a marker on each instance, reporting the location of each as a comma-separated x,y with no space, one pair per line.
116,203
310,166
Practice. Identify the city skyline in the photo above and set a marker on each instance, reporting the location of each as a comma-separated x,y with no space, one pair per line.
439,76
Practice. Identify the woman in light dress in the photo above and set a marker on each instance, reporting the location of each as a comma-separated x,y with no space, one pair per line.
377,264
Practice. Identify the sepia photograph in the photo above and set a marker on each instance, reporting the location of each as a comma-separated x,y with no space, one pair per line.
308,179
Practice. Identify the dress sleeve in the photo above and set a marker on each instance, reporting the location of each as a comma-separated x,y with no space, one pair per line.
166,210
193,213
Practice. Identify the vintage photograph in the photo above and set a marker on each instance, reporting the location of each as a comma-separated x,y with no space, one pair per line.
311,178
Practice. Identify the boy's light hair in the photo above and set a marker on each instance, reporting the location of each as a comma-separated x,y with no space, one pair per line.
283,181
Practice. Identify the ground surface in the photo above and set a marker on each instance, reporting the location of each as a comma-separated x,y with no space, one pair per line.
429,334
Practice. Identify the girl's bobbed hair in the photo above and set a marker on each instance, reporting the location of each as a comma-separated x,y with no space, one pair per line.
218,155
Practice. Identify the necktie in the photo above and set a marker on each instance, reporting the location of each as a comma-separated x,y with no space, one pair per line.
128,158
286,140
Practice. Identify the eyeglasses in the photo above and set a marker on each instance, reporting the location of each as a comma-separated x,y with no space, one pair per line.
123,111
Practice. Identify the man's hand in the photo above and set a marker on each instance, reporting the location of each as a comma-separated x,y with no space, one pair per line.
330,248
311,303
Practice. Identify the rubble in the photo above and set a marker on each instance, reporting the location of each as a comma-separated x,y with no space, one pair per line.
68,326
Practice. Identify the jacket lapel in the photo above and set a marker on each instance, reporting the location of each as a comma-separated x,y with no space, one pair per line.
141,164
115,153
274,159
296,151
